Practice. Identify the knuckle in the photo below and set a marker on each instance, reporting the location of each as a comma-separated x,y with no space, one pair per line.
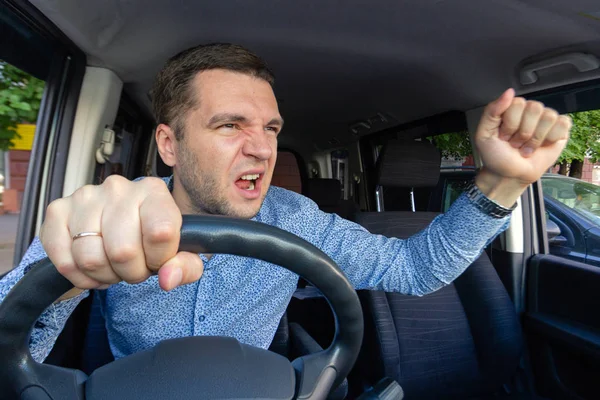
55,208
85,194
535,106
65,268
153,184
519,101
550,115
565,121
114,183
123,254
161,232
89,264
112,180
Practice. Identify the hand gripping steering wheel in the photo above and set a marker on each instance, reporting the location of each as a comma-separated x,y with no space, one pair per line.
191,367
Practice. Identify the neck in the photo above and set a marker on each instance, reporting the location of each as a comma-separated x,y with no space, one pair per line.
185,205
183,200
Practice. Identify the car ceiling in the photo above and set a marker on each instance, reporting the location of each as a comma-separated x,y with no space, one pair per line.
339,62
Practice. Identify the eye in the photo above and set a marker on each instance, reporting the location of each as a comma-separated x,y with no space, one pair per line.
228,126
273,129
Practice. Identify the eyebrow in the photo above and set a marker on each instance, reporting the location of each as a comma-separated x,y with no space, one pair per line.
276,121
226,117
229,117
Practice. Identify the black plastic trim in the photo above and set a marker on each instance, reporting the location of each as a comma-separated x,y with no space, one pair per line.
564,332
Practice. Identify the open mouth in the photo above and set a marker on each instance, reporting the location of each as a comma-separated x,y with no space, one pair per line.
249,182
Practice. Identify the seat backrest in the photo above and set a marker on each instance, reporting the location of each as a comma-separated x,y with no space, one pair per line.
327,193
460,341
405,167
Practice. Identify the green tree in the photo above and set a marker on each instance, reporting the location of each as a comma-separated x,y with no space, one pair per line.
20,97
453,145
584,142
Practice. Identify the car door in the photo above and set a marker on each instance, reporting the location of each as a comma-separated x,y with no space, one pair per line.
561,319
570,242
561,283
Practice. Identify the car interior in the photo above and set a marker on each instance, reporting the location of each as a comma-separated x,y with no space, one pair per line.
363,88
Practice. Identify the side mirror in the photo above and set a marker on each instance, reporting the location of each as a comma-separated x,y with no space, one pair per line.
553,232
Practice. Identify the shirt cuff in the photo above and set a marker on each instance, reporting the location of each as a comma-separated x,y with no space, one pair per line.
49,325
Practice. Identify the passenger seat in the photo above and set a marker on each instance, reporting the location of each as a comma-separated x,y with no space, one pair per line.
462,341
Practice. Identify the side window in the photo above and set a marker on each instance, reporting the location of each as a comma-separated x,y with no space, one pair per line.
40,80
452,190
20,97
287,172
457,166
572,193
574,211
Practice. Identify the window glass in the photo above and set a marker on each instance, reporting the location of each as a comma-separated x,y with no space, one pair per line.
578,196
20,97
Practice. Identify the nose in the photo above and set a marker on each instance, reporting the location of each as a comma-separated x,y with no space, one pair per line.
258,145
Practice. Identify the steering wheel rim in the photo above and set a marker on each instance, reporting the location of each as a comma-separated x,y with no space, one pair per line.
42,285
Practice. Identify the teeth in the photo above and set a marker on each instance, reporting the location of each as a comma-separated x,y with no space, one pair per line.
250,177
251,187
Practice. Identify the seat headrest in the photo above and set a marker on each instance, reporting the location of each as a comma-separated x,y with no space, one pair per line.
324,192
408,164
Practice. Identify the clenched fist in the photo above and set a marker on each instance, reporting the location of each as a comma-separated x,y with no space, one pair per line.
518,141
135,230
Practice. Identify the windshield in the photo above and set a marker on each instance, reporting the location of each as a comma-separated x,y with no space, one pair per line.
578,195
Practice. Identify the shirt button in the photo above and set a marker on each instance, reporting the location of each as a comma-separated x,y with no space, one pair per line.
201,318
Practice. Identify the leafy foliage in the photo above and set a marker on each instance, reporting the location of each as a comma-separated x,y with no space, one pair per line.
20,97
585,138
453,145
584,141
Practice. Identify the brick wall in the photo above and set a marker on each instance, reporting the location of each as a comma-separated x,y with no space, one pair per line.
286,173
18,165
587,173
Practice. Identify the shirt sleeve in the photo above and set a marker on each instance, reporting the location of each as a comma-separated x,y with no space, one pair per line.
421,264
53,319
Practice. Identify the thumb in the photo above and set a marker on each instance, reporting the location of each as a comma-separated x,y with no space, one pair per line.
182,269
491,118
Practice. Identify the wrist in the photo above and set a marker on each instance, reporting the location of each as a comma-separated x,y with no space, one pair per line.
501,190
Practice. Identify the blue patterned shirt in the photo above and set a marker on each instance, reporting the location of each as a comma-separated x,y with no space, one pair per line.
245,298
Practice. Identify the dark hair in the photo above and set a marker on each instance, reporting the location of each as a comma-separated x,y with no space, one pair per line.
171,92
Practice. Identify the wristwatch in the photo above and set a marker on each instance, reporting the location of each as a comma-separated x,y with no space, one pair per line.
488,206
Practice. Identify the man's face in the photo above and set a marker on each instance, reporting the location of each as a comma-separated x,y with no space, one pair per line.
224,164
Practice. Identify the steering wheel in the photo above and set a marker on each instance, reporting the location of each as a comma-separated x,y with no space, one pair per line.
191,367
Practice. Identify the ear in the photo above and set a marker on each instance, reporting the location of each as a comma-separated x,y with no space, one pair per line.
165,143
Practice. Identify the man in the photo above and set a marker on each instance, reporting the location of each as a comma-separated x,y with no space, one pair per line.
218,123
